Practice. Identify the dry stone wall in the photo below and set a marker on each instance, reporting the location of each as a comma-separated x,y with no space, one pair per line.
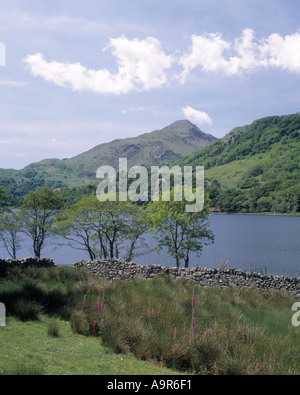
116,269
6,264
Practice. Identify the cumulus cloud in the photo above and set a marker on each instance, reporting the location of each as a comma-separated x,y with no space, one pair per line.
142,65
283,52
206,52
212,54
196,116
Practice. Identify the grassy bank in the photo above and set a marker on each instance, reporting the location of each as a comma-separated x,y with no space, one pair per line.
27,348
63,321
38,338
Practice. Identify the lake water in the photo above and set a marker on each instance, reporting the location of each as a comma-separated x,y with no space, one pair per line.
248,242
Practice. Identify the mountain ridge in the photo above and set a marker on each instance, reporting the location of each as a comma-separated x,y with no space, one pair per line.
158,147
254,168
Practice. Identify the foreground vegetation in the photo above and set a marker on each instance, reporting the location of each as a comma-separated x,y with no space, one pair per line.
38,338
59,319
27,348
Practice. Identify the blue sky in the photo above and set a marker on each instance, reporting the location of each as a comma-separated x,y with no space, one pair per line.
80,73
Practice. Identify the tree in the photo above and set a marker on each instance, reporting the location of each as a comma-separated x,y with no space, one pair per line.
10,229
38,212
75,224
181,232
2,194
103,229
135,228
264,204
297,201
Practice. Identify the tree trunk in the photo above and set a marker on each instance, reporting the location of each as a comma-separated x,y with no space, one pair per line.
186,261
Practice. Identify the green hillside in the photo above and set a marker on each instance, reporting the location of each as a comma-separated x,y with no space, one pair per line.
255,168
156,148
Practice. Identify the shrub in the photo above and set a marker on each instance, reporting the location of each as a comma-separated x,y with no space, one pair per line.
27,310
90,285
53,328
33,289
79,323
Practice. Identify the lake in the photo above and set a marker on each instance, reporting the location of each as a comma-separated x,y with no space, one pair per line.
248,242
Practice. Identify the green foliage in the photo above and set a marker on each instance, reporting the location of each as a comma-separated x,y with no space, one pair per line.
53,328
180,231
257,167
73,195
103,229
10,228
2,193
250,140
37,212
5,199
27,310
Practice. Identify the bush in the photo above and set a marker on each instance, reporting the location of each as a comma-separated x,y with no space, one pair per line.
27,310
79,323
33,289
53,328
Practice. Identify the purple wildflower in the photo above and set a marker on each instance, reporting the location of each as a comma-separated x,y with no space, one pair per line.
257,369
193,301
150,316
99,305
193,326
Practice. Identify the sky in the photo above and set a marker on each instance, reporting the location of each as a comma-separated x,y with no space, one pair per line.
75,74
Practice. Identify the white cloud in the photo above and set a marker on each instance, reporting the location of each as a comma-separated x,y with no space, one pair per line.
283,52
142,65
132,109
213,54
206,52
12,83
196,116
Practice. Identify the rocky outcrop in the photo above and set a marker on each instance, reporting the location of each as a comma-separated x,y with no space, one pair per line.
116,269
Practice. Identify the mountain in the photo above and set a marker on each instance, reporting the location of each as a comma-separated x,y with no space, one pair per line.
254,168
156,148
